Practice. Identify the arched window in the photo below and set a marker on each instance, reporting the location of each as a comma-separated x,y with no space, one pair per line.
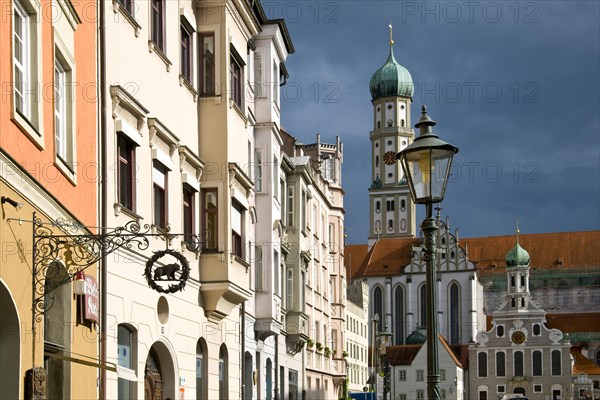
57,339
127,349
378,305
537,363
500,364
423,303
269,388
556,363
598,357
399,315
454,314
482,365
376,161
247,383
201,370
223,373
377,206
518,363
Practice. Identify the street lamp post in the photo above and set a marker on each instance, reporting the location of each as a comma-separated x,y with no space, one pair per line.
375,322
426,164
384,342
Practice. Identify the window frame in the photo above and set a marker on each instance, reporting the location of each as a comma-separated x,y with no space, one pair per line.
186,46
28,112
206,87
160,214
129,146
237,238
236,78
189,211
123,384
157,24
210,239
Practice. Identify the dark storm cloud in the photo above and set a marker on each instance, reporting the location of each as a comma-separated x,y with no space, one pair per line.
515,85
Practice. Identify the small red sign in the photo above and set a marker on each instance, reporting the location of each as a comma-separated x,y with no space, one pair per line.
91,299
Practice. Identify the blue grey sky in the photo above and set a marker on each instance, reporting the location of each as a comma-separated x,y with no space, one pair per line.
515,85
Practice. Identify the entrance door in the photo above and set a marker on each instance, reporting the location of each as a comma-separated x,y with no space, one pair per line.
153,382
556,394
9,346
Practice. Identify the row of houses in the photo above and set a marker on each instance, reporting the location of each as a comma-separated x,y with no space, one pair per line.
162,235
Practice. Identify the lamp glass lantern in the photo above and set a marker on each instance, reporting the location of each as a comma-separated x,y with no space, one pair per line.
426,163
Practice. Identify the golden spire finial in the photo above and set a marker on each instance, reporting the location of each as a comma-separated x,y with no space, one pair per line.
391,35
518,231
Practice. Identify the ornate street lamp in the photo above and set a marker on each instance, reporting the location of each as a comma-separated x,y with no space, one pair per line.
426,164
385,339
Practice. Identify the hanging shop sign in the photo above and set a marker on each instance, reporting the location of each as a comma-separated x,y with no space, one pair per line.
170,274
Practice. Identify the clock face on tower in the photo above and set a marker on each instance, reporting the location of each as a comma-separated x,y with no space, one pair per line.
518,337
389,157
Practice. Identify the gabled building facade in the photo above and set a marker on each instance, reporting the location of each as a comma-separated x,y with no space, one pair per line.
520,354
48,180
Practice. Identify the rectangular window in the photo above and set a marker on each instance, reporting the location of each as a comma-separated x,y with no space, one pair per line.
275,83
22,55
259,268
290,207
62,131
538,389
210,210
282,201
189,228
402,375
159,181
303,211
237,221
402,396
275,176
258,171
186,53
420,394
289,289
236,78
443,393
500,389
207,63
157,15
303,291
420,375
258,75
332,245
126,172
276,273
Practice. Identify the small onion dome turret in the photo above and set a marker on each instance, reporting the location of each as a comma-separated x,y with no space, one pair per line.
517,255
392,79
416,337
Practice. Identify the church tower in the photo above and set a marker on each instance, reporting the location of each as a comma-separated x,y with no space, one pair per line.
392,212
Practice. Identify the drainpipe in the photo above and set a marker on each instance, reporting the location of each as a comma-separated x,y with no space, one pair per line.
103,201
277,389
243,352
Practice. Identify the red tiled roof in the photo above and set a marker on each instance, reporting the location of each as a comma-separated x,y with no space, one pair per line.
547,250
583,364
386,257
568,250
